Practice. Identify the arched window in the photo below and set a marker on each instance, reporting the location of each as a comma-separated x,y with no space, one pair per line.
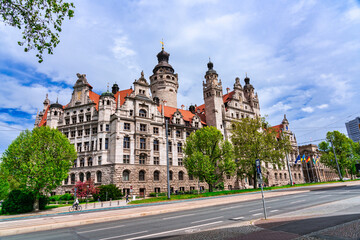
88,176
126,175
156,176
142,175
280,175
66,181
142,113
72,178
299,176
142,158
98,176
90,162
181,175
108,102
170,175
285,176
81,177
276,176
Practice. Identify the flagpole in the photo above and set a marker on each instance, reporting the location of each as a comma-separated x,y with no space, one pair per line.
313,172
307,170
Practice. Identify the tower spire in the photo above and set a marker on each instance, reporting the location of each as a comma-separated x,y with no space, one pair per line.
162,44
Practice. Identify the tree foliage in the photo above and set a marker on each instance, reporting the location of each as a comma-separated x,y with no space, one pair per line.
253,139
39,160
40,20
208,157
109,191
83,189
346,152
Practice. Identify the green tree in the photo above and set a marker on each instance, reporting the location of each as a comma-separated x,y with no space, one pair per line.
105,192
39,160
40,20
253,138
347,152
208,157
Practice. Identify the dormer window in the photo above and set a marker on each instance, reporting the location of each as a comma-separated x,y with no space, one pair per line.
142,113
177,120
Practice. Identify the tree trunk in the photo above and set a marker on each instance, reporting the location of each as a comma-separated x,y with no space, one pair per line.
210,187
36,204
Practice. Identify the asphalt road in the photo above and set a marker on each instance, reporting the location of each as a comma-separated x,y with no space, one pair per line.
184,222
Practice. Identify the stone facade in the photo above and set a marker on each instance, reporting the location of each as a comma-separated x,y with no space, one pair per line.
120,136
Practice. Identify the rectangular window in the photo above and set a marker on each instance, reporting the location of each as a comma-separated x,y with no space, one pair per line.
86,146
170,162
75,164
156,161
107,127
73,120
101,128
157,189
66,134
94,130
67,121
169,132
80,132
126,159
156,145
180,161
196,124
99,160
106,143
87,131
126,142
156,130
79,147
178,133
142,143
81,119
100,143
131,113
179,147
177,121
142,159
143,127
73,133
88,118
92,145
170,147
126,126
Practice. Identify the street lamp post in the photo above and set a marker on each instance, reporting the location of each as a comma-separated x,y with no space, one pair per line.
167,158
287,161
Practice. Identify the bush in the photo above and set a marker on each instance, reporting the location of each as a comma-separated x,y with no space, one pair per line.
43,201
18,202
113,192
153,194
54,198
67,197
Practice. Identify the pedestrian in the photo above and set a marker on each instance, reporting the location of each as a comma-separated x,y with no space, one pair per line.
127,198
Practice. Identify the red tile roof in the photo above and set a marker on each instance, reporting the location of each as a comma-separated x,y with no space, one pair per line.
44,118
278,129
227,97
123,94
94,97
187,115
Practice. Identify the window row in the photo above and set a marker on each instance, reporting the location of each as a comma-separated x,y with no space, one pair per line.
89,162
92,146
156,176
156,160
83,177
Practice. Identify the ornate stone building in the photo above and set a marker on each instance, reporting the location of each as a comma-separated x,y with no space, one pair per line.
120,135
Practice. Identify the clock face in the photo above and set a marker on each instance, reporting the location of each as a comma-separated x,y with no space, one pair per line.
78,95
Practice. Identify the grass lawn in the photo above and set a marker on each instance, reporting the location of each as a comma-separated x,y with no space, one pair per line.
219,193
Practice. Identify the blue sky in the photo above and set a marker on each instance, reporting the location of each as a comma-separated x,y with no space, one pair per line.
303,57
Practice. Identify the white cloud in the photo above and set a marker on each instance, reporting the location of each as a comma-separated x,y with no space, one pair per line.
308,109
322,106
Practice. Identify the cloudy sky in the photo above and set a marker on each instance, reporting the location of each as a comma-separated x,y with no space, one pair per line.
303,57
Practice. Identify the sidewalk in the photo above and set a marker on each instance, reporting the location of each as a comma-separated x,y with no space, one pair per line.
60,218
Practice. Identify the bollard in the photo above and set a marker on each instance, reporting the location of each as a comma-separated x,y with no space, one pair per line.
101,204
67,202
94,204
56,202
110,202
118,202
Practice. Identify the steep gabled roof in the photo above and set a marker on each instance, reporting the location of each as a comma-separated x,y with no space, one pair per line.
123,94
95,98
187,115
277,129
227,97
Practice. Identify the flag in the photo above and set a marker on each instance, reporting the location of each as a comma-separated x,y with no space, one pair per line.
317,159
314,160
308,159
303,158
297,159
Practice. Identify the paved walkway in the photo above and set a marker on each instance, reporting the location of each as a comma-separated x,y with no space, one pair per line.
275,228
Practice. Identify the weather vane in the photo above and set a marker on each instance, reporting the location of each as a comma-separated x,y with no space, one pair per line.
162,44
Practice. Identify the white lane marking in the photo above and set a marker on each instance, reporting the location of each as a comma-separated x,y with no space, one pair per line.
207,219
255,210
179,216
237,218
229,207
176,230
324,196
99,229
123,235
274,210
297,201
256,214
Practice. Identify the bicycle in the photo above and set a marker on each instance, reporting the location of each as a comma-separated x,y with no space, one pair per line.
73,208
